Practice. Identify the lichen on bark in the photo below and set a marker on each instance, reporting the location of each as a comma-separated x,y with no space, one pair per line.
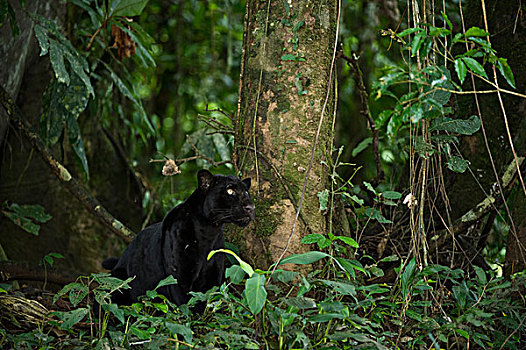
285,78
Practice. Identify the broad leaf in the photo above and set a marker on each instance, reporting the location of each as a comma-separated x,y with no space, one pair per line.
26,217
348,241
362,145
255,293
180,329
474,66
460,68
459,126
394,195
325,317
300,302
56,56
235,273
70,318
168,281
343,288
506,72
127,8
114,309
407,277
476,31
304,258
457,164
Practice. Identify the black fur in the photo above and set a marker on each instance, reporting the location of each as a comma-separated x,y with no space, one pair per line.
179,245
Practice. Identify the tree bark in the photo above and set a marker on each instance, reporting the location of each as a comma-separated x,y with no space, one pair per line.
285,76
507,26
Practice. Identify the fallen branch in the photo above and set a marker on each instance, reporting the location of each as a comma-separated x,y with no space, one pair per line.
18,121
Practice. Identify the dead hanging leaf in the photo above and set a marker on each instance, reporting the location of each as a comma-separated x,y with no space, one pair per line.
123,42
170,168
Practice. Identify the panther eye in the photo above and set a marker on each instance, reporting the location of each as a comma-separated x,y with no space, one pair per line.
230,192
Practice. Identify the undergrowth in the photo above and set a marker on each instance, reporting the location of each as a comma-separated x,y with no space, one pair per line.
335,306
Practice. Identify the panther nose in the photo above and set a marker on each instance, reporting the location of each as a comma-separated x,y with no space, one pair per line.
249,209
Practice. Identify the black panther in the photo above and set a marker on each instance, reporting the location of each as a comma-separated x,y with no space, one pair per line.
179,245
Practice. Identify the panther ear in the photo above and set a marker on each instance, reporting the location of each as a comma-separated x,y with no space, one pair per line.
247,182
204,179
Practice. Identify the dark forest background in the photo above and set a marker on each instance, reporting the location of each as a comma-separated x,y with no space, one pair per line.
111,107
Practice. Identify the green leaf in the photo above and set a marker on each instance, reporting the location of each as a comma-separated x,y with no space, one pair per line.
348,241
325,317
56,56
183,330
362,145
457,164
140,38
409,31
25,216
114,309
321,240
394,195
323,198
43,40
304,258
461,294
369,187
417,43
35,212
79,66
300,302
235,273
461,70
349,266
127,8
446,18
375,214
49,260
476,31
255,293
312,238
96,19
481,275
168,281
407,277
140,333
459,126
474,66
70,318
343,288
506,72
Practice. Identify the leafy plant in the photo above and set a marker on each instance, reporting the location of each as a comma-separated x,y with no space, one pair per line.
28,217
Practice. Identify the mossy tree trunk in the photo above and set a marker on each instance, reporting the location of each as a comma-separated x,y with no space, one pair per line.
285,79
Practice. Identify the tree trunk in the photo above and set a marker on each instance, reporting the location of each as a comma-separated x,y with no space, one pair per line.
508,30
285,76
